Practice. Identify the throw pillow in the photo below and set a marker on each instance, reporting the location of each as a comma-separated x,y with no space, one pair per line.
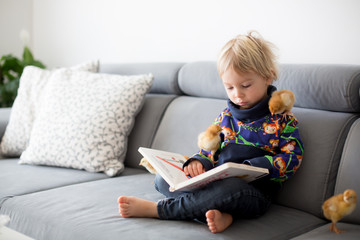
85,119
26,104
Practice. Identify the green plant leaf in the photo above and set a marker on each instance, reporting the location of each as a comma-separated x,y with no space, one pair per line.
38,64
12,86
28,58
11,63
6,97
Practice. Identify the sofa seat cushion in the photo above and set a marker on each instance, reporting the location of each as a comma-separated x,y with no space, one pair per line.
17,180
352,232
90,211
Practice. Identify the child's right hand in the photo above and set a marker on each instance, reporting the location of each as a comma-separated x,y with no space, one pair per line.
194,168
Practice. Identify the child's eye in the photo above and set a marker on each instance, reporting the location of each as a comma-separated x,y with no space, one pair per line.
246,86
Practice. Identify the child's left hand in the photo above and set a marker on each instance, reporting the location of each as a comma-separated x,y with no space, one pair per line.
194,168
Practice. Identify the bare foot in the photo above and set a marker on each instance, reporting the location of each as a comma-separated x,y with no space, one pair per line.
137,207
218,221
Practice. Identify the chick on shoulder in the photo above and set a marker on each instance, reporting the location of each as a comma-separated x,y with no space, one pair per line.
256,137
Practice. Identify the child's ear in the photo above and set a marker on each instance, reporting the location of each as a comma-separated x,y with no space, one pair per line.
271,78
269,81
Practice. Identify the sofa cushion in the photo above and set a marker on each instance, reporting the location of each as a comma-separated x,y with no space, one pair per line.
85,120
25,107
16,180
201,79
146,125
90,211
352,232
348,176
165,74
325,87
20,180
183,120
323,142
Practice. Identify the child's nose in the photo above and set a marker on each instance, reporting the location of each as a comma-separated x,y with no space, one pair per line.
239,94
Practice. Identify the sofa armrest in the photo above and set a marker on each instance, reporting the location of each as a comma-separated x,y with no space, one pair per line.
4,119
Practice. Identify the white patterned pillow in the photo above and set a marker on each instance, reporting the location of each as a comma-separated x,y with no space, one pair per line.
85,120
26,104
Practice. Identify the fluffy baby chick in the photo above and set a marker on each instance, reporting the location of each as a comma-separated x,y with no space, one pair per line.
145,163
281,102
210,139
338,206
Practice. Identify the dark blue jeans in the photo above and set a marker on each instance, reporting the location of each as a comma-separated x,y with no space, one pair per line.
230,195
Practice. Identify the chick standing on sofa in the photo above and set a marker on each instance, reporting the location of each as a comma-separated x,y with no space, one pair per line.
251,135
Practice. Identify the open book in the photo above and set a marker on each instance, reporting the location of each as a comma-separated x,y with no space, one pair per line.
169,166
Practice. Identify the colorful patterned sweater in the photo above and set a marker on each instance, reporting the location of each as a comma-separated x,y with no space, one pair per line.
257,138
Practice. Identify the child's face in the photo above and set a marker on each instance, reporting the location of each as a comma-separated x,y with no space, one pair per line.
245,89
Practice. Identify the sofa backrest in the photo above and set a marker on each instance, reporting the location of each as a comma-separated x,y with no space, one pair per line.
322,86
165,74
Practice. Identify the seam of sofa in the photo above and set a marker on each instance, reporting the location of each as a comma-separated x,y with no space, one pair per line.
350,87
176,82
305,230
4,199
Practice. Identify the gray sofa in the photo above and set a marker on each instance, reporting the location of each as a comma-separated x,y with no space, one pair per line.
58,203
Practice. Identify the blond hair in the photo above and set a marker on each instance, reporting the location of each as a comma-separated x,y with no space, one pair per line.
249,53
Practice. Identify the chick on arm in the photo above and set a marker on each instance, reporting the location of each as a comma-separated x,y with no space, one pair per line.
210,139
338,206
281,102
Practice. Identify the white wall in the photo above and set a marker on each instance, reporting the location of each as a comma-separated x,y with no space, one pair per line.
66,32
15,15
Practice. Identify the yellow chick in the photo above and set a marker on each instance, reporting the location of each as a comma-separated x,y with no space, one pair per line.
338,206
210,139
281,102
145,163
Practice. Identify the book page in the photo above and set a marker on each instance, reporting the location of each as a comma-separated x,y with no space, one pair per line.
172,166
169,165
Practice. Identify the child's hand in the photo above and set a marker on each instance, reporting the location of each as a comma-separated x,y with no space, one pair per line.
194,168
